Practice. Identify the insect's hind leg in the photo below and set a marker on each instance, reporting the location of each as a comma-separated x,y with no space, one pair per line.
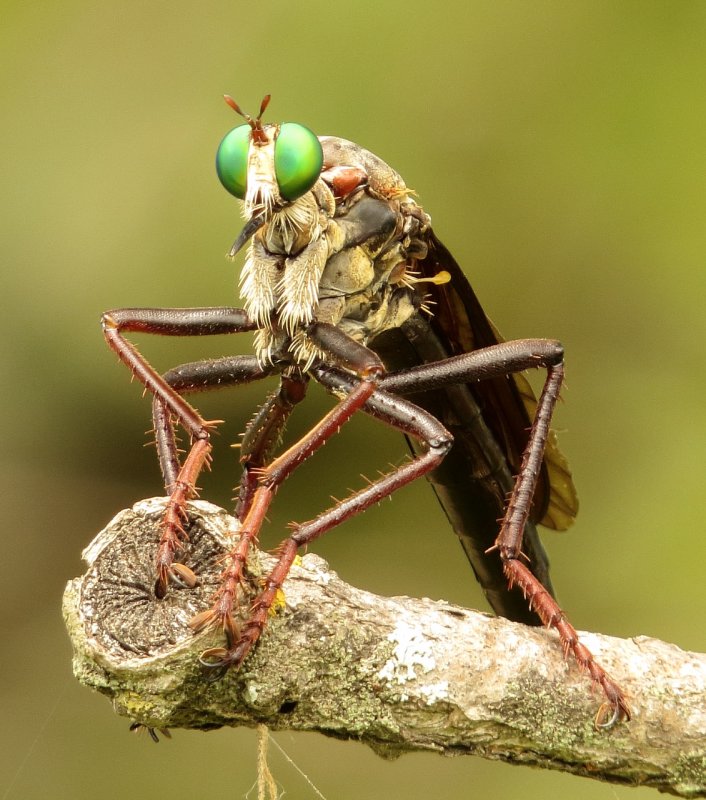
504,359
509,544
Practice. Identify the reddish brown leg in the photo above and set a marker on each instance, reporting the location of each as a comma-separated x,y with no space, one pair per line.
173,322
193,377
179,480
263,435
173,533
509,546
270,478
502,359
615,706
197,376
399,413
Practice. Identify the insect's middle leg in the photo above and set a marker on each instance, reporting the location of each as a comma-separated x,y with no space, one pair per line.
395,411
173,322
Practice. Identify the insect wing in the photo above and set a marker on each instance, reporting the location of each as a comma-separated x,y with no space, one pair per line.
508,404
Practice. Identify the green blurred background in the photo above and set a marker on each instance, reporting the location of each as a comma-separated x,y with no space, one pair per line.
560,149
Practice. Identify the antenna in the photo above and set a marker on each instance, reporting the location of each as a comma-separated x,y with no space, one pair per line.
258,133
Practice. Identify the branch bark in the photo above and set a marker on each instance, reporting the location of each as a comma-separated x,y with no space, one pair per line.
400,674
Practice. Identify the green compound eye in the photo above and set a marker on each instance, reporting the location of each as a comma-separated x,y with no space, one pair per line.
232,160
298,160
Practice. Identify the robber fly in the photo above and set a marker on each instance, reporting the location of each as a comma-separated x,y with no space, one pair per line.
346,283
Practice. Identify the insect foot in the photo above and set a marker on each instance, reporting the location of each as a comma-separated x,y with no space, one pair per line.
174,535
615,708
216,661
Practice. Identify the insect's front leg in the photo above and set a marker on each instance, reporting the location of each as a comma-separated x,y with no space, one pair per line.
369,368
198,376
264,433
173,322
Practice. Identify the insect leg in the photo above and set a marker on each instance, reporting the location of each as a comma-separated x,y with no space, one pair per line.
490,362
173,322
369,369
263,434
509,543
197,376
395,411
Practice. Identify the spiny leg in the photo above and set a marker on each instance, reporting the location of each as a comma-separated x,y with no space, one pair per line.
367,369
264,433
509,546
487,363
179,479
395,411
196,376
173,322
271,477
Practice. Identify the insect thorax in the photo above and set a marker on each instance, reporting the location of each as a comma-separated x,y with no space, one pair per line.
309,263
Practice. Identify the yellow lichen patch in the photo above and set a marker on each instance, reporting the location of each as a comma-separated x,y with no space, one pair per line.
278,603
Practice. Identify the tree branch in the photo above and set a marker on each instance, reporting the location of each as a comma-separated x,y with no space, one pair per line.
400,674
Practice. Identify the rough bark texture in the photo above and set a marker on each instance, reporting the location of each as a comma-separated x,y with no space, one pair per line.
400,674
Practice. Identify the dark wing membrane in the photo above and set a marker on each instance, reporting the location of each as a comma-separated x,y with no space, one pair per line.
489,421
508,405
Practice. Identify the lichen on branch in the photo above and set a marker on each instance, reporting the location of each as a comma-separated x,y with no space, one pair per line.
400,674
